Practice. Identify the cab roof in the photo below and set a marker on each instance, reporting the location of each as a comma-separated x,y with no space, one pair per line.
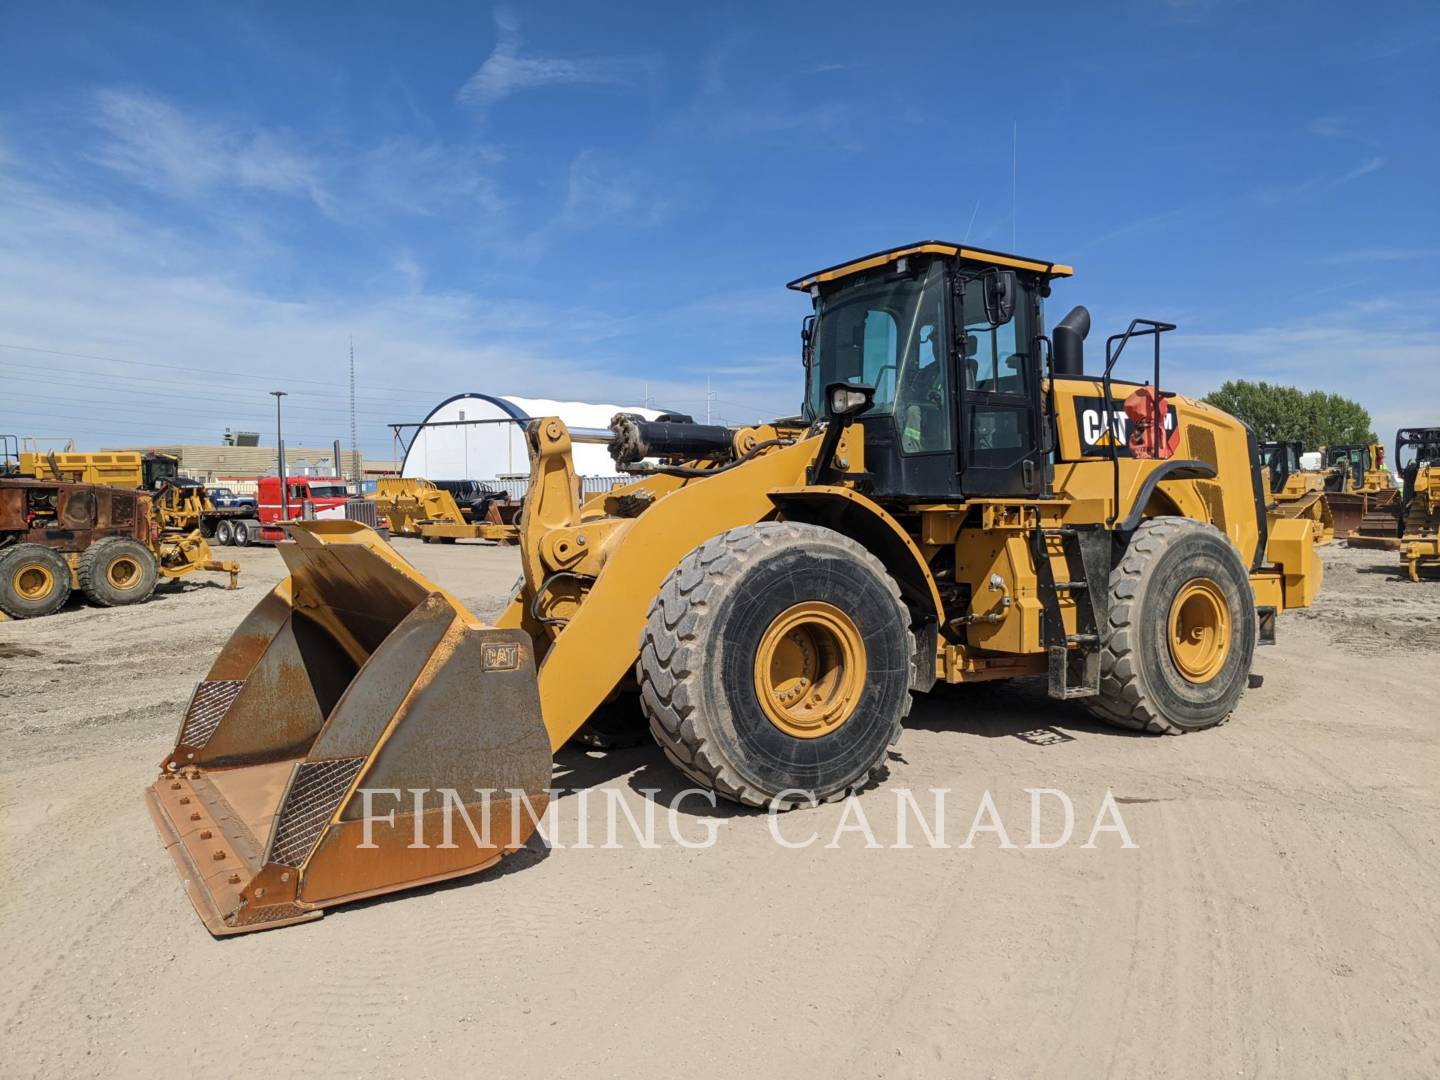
930,247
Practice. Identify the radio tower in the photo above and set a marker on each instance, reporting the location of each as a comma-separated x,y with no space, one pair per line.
354,448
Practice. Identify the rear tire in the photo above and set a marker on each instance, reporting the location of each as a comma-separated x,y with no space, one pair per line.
1177,650
225,533
117,572
776,659
244,533
34,581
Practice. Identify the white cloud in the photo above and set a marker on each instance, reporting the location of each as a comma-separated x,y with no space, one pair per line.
153,142
1383,352
1369,165
215,162
601,190
1381,255
90,278
506,72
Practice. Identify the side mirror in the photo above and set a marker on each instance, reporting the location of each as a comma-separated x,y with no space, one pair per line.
807,337
1000,289
848,400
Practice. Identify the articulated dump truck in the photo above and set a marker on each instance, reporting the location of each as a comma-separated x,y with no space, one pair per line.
959,500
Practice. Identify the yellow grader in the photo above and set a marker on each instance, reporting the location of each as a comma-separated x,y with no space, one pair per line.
1296,492
1417,452
420,508
57,536
958,501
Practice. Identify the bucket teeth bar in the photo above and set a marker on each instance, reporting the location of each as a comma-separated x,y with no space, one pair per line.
353,682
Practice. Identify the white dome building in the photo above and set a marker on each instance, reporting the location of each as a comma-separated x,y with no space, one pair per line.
448,446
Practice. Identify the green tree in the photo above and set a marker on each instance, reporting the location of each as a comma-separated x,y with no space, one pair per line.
1287,413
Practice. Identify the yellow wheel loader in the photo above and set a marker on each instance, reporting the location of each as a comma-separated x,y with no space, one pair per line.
1417,452
1296,492
958,500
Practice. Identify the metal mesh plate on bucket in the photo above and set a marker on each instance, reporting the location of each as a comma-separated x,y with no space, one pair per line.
316,792
208,706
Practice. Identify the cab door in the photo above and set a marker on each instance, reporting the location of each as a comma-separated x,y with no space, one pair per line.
1000,444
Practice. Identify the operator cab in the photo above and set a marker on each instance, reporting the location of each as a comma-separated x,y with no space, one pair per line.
948,338
1351,462
1283,461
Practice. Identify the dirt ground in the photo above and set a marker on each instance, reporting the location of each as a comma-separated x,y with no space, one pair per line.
1277,915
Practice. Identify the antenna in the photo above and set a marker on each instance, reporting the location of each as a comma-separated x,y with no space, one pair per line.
972,222
1014,176
354,449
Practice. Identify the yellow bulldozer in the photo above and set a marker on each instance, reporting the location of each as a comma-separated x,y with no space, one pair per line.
1417,452
1296,492
958,500
1364,499
421,508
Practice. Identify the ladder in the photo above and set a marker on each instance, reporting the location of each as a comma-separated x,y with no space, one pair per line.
1074,659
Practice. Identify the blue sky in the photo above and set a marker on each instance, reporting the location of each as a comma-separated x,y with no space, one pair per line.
199,203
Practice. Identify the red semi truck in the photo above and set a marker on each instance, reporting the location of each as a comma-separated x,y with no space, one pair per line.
326,496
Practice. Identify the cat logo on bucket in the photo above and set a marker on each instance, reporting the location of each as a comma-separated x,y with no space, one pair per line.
500,657
1095,439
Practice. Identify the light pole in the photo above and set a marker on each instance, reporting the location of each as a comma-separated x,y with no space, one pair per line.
280,458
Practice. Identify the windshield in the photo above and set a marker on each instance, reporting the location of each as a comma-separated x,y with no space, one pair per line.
886,333
1353,457
327,491
1281,457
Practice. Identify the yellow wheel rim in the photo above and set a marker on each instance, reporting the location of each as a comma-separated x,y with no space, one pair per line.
810,669
123,573
1200,630
34,582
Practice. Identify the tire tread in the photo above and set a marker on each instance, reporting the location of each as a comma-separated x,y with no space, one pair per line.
673,648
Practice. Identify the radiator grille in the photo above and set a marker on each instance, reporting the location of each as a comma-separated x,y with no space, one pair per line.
318,788
207,708
1202,446
1214,498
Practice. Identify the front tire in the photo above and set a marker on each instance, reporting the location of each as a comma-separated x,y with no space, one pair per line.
1180,639
776,663
34,581
117,572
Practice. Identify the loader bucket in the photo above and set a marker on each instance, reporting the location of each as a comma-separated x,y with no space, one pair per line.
359,733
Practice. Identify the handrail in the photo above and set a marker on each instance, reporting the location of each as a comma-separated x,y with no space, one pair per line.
1153,328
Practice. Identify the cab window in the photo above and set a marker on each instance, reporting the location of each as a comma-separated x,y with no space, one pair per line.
992,363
